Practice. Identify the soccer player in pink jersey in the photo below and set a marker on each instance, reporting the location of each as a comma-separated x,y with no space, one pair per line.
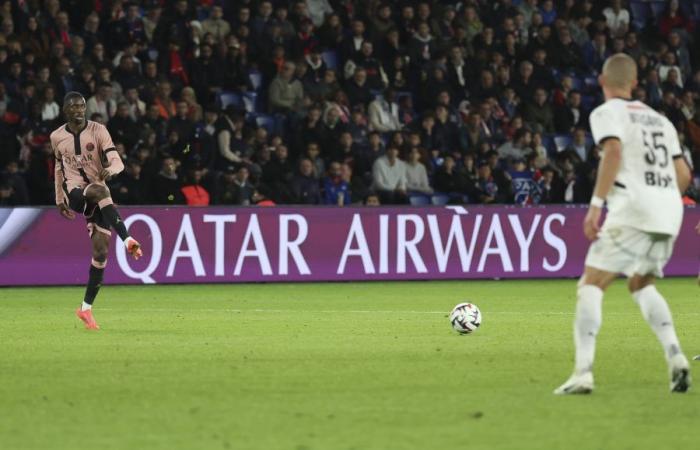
85,159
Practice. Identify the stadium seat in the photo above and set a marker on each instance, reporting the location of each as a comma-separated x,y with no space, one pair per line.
268,122
439,199
548,144
255,78
590,84
250,102
561,141
229,98
330,57
419,199
153,54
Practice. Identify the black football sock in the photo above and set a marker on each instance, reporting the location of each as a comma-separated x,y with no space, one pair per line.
94,283
109,212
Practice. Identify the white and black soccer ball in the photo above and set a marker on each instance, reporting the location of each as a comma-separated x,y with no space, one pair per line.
465,318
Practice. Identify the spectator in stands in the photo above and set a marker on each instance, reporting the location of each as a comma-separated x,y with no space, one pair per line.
384,113
518,147
617,18
538,113
570,115
102,102
357,90
16,183
233,187
551,190
216,25
286,93
122,127
193,191
304,186
167,185
416,174
389,177
336,189
129,188
578,144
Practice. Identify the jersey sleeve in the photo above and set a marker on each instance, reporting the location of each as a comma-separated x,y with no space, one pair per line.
104,141
674,146
605,124
59,179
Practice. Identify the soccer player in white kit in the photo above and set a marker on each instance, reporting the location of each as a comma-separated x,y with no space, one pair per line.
641,176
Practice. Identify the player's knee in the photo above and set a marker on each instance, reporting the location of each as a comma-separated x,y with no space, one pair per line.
639,282
99,254
96,192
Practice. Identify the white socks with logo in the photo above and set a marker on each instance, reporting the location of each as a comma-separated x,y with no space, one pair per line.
656,312
586,325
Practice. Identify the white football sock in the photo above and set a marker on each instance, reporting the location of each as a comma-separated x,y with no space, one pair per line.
656,312
586,325
85,306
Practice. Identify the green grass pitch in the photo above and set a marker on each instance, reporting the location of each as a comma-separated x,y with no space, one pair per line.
335,366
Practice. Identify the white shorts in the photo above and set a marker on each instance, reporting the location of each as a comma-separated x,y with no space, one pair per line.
630,251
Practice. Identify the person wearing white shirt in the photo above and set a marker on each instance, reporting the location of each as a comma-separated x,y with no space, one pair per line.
617,18
384,113
416,174
641,176
389,177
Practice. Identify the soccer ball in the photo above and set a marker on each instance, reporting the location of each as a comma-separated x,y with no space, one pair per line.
465,318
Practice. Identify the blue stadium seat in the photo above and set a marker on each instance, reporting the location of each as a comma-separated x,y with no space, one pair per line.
255,78
548,143
591,84
229,98
263,120
439,199
250,100
640,13
561,141
419,199
330,57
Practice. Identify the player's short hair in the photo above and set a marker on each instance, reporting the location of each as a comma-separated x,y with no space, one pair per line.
72,95
619,71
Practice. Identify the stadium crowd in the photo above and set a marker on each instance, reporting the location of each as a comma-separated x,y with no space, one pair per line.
336,101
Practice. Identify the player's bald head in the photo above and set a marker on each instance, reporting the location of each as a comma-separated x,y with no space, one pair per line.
620,72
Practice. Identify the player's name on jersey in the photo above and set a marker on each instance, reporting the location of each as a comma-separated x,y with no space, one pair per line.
646,119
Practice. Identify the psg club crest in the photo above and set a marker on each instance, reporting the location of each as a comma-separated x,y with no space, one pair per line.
90,147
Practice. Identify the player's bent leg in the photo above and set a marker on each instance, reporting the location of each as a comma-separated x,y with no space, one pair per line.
586,326
656,312
100,246
99,194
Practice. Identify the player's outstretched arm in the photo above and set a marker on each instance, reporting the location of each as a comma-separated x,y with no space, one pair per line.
608,168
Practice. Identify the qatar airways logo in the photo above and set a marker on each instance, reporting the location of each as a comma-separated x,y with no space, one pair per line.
290,246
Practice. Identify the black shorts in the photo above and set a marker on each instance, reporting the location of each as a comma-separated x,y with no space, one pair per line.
93,216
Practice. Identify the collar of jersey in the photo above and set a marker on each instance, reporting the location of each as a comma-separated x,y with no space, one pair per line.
81,130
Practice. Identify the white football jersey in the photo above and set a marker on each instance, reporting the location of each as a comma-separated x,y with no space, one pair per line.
645,195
